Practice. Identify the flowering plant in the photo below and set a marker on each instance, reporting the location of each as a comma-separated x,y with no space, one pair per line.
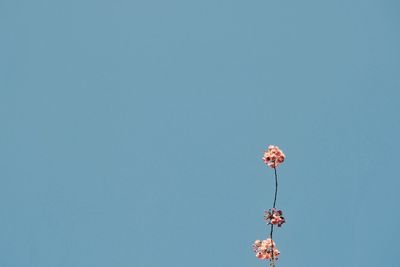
266,249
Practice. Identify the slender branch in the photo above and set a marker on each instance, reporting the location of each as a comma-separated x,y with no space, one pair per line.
276,186
272,226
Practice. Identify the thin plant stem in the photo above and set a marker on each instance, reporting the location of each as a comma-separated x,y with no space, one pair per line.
276,186
272,226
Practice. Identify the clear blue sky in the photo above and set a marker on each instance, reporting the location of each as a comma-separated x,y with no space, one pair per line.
132,132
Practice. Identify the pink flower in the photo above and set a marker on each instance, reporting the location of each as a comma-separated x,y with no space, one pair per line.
264,249
273,156
276,253
274,216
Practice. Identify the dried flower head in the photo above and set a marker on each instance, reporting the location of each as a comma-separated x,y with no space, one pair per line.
274,216
273,156
266,249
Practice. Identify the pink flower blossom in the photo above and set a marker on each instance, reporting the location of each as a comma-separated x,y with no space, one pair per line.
273,156
264,249
274,216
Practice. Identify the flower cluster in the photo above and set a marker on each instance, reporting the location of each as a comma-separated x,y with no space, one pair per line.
264,249
274,216
273,156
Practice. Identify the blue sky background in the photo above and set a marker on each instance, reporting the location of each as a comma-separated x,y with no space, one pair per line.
132,132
